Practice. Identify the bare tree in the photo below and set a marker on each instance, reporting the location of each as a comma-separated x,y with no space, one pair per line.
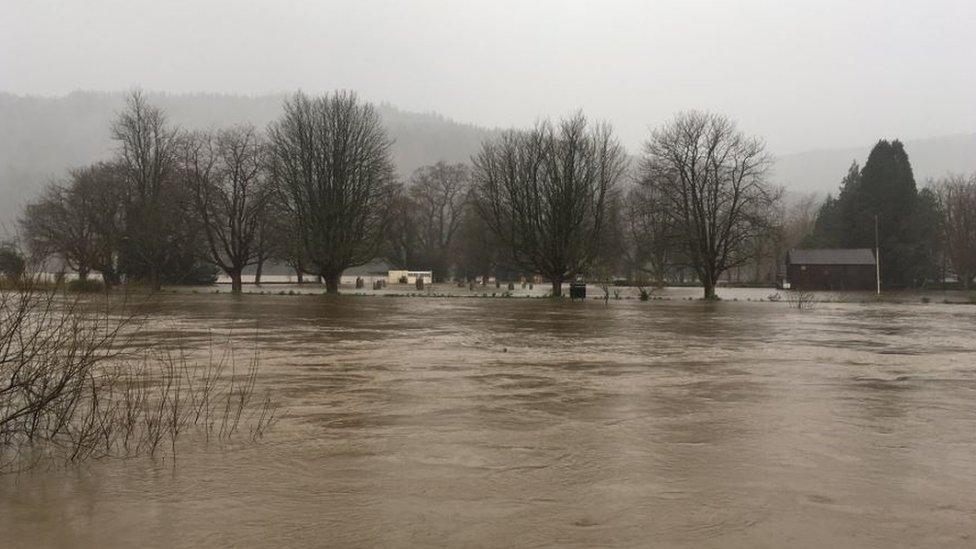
53,226
711,181
544,193
478,252
799,219
267,237
438,194
154,213
79,222
956,195
651,235
331,159
402,244
231,191
793,221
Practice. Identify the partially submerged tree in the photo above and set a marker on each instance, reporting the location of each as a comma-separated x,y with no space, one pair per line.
79,222
711,181
331,161
544,192
54,226
155,218
438,195
479,254
231,190
652,243
956,196
401,244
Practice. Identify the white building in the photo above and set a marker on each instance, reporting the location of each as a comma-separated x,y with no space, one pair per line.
409,277
370,273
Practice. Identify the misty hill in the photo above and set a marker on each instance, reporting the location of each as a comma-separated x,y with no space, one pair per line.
42,137
821,171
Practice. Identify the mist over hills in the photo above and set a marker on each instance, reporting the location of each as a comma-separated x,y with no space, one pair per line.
43,137
821,171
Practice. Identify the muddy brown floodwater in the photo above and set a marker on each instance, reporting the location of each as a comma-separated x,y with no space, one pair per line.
414,422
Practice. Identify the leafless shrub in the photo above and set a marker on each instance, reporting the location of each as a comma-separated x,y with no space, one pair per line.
75,385
801,299
642,289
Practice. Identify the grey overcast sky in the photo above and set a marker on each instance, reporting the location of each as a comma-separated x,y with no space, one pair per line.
812,74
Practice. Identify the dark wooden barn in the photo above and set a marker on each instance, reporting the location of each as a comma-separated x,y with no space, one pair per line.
831,269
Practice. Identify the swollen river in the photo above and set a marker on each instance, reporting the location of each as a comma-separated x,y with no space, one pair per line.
424,422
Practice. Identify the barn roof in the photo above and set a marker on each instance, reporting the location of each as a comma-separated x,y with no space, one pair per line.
831,256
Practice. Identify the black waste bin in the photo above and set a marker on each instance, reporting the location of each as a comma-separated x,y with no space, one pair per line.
577,290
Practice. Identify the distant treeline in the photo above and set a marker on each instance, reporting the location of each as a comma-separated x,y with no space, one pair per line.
317,190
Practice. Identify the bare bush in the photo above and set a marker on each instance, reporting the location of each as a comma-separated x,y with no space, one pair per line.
74,384
801,299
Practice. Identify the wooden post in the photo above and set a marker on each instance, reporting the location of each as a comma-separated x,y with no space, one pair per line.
877,255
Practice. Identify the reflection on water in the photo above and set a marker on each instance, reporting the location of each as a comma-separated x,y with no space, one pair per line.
472,422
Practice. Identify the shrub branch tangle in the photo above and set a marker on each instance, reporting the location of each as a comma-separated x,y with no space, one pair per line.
544,194
76,384
331,161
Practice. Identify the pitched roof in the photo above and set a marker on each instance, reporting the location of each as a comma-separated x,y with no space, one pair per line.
831,256
374,268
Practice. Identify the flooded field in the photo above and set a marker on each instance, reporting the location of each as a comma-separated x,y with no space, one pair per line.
413,422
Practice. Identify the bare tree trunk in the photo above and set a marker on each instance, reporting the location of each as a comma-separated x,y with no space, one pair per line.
83,274
557,287
155,280
708,282
710,292
301,276
257,272
331,284
236,284
111,277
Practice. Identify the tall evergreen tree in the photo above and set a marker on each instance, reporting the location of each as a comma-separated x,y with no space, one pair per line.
832,219
887,190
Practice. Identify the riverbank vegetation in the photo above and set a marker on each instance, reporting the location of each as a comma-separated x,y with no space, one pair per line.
317,191
77,382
